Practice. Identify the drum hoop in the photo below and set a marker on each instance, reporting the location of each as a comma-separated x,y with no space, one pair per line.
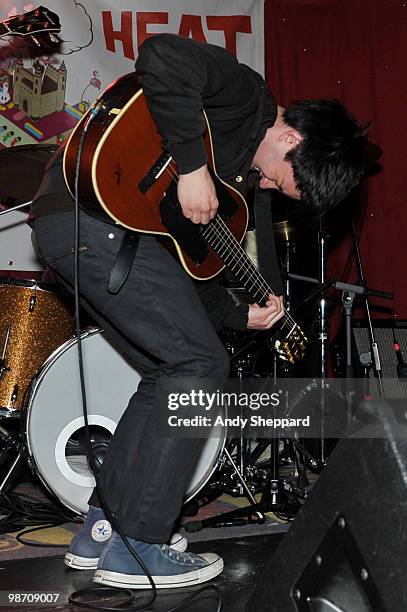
28,283
215,466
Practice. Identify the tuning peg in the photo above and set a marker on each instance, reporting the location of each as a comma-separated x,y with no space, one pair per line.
36,41
54,38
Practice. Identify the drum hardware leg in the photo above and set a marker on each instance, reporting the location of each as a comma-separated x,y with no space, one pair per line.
8,444
13,467
308,459
240,477
300,475
287,456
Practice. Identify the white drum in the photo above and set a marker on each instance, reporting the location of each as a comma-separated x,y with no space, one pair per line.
55,434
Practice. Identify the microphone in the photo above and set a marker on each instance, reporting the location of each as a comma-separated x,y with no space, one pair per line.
401,364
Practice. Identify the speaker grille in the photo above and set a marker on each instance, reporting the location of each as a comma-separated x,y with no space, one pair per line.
394,388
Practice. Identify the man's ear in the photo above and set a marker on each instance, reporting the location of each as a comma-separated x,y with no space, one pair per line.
290,137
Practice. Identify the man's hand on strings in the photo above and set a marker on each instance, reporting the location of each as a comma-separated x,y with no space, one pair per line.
263,317
197,195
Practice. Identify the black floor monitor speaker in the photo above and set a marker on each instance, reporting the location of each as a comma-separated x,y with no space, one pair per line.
347,549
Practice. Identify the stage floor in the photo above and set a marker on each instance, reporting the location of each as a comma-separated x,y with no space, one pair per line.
244,559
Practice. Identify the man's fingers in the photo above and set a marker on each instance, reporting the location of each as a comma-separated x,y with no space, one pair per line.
196,216
264,317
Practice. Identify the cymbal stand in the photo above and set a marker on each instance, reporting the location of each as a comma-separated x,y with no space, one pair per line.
323,330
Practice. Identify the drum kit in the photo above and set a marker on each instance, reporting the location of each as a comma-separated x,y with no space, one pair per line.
40,388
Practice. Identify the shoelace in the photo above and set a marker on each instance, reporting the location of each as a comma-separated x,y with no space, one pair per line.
183,557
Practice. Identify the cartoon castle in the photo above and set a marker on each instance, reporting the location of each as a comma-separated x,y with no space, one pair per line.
40,90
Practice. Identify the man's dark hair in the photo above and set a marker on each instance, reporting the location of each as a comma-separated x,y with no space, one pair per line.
329,160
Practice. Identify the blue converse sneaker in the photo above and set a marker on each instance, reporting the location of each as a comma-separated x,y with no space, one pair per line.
87,545
169,568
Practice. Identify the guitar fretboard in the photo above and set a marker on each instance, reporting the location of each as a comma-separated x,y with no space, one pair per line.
223,242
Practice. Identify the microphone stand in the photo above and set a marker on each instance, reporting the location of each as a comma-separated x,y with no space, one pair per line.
373,341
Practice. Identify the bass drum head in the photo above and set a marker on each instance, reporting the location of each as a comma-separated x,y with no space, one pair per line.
55,434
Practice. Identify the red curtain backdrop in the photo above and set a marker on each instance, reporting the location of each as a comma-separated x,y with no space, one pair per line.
354,50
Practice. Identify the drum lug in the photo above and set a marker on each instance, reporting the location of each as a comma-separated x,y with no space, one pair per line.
14,394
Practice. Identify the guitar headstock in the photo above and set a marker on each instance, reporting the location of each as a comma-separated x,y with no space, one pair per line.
39,25
292,348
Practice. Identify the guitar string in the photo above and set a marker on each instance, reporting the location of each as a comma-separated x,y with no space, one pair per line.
232,242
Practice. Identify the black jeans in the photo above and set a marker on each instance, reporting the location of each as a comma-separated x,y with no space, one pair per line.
159,320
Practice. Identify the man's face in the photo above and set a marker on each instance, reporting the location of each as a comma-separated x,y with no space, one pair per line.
279,176
275,171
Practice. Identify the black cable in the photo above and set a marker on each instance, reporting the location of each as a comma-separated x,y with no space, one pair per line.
177,608
98,590
21,511
188,600
20,537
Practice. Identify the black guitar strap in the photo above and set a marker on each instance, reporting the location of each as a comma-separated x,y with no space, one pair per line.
266,245
123,262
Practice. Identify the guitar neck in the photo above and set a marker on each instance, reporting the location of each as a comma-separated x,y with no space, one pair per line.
39,24
223,242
